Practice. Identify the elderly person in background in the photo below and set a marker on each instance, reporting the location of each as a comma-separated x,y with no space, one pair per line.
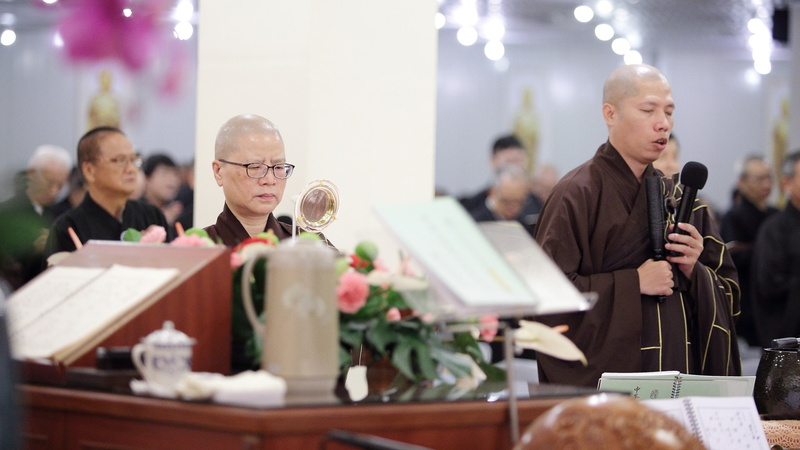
740,227
110,167
507,198
25,219
776,263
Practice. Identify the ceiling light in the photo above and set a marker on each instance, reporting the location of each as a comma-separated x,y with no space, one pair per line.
183,11
439,20
632,57
494,50
494,30
467,36
465,16
583,14
759,41
183,31
762,66
757,26
49,2
8,37
620,46
58,41
604,8
127,12
604,32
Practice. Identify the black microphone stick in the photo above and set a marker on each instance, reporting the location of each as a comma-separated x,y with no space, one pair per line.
693,177
655,220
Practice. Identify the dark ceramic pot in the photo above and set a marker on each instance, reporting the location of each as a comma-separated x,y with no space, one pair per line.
777,387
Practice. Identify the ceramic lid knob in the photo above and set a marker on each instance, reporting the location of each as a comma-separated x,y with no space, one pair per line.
168,335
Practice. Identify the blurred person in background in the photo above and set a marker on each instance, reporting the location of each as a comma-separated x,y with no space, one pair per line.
775,273
162,181
25,219
740,227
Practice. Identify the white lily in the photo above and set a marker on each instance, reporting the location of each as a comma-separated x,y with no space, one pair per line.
397,282
543,339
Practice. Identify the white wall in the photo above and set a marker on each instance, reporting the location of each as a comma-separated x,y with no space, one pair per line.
720,115
351,86
43,100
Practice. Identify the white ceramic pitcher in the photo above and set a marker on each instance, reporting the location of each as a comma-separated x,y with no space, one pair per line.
301,330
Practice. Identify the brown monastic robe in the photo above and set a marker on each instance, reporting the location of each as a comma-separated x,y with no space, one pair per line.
594,226
232,233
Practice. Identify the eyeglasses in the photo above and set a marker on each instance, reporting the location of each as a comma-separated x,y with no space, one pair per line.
258,170
123,161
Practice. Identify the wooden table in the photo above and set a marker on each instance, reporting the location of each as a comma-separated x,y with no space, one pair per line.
65,418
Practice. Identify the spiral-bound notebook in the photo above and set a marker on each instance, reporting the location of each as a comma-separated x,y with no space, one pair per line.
720,423
673,384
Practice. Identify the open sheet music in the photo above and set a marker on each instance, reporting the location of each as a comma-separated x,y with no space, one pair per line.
720,423
476,269
673,384
65,308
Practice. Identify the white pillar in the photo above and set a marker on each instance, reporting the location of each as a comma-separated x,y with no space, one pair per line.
351,84
794,78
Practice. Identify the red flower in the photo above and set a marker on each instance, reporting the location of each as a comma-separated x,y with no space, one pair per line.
252,240
352,291
356,262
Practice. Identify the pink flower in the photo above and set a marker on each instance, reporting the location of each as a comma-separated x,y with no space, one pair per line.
97,30
351,293
236,260
488,333
190,240
380,266
393,315
154,234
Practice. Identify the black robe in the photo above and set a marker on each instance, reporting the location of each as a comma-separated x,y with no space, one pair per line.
90,221
776,277
594,226
740,225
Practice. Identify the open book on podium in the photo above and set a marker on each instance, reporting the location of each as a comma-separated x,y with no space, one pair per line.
472,268
673,384
112,294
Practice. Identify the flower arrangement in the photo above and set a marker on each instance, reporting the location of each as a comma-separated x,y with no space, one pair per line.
375,321
375,318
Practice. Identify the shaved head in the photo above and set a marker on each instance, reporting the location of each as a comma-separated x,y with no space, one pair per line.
239,126
624,81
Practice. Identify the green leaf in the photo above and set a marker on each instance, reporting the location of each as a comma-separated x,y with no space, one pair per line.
459,367
401,359
306,236
197,232
381,336
350,337
132,235
425,360
367,250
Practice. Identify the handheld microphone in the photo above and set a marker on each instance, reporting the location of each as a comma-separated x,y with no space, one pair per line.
693,177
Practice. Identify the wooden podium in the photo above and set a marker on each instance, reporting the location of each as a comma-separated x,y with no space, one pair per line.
197,301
